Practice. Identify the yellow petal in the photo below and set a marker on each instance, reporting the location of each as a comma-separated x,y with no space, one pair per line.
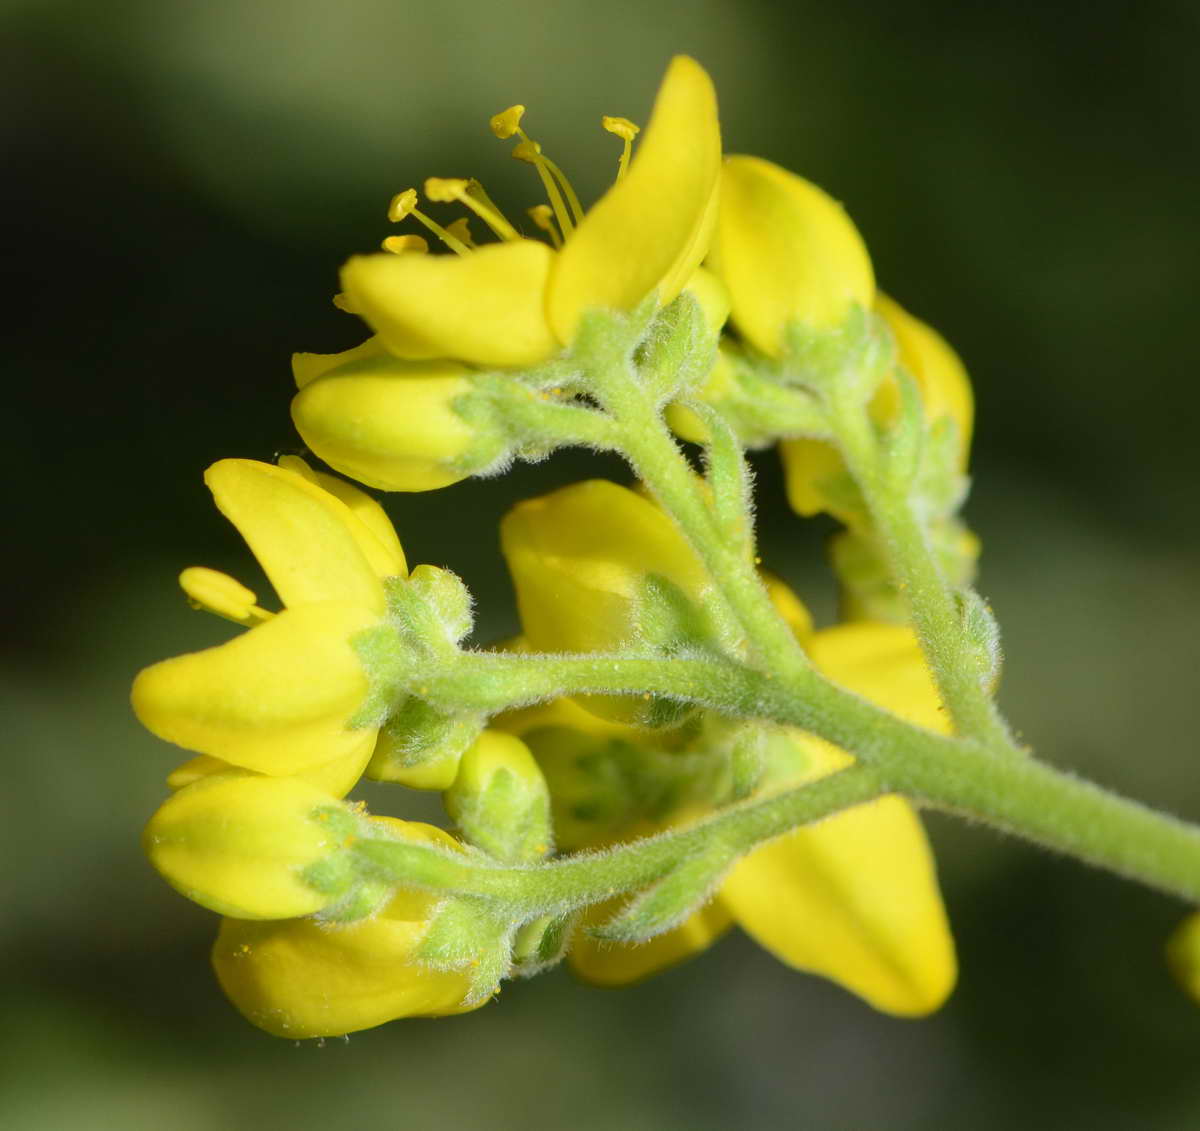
302,978
578,558
302,536
486,308
337,777
237,844
617,964
389,424
855,899
936,368
276,699
794,612
883,663
806,465
307,367
650,231
374,532
787,251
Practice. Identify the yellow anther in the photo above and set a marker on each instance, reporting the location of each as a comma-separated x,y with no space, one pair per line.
446,189
220,594
507,122
461,230
626,131
403,204
443,190
543,216
622,127
406,245
527,150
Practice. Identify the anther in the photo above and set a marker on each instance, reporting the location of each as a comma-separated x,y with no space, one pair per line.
626,131
507,122
543,216
446,189
406,245
404,204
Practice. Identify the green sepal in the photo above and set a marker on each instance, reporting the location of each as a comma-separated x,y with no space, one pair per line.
448,600
542,943
669,902
468,935
850,360
388,660
677,352
420,736
982,633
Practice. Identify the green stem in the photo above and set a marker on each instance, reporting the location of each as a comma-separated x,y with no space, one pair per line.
1020,796
578,881
930,602
658,461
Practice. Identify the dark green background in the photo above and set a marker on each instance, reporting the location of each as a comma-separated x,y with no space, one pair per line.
182,178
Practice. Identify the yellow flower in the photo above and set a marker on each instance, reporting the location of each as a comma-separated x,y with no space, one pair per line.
383,411
305,978
853,898
787,252
281,698
945,396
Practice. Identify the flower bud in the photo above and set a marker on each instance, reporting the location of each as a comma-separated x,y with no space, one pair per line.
390,424
306,978
500,800
788,253
239,844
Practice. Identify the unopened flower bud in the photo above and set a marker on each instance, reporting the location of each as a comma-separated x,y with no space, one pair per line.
500,800
390,424
240,844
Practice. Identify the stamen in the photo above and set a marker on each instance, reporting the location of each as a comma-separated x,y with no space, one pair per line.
342,301
218,593
507,122
531,152
626,131
404,204
572,198
402,245
447,189
543,216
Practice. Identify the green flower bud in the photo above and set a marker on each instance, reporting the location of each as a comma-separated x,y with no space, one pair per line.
500,800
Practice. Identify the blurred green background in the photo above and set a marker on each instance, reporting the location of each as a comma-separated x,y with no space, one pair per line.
183,179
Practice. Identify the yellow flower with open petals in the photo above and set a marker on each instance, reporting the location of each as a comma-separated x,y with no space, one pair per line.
382,412
281,698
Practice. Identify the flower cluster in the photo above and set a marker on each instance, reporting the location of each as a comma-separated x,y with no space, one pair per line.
610,788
